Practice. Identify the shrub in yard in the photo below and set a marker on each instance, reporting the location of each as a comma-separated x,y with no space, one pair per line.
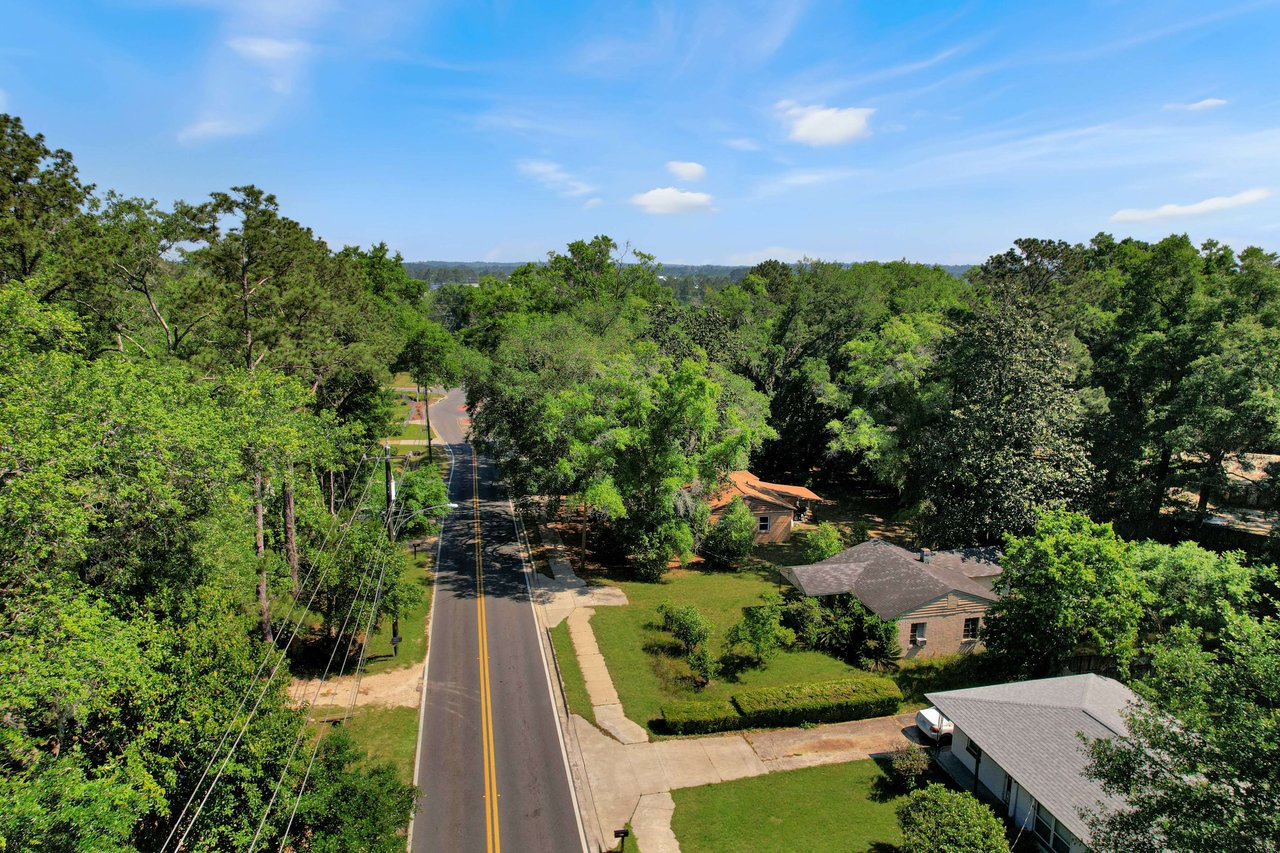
802,615
704,665
697,718
690,628
909,764
854,634
821,542
734,535
937,820
761,630
853,698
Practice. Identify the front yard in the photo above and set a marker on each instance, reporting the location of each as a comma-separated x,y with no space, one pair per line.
648,668
837,808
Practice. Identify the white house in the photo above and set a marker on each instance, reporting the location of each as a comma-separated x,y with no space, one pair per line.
1020,742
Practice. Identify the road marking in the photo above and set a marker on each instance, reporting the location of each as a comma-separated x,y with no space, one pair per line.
491,826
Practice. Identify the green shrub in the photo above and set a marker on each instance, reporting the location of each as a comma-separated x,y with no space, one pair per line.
696,718
733,537
937,820
854,698
690,628
909,764
821,542
761,629
703,664
802,615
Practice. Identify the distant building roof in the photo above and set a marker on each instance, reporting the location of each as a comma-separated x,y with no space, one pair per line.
744,484
890,580
1029,728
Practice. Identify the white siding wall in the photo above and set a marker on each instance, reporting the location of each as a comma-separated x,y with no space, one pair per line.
958,743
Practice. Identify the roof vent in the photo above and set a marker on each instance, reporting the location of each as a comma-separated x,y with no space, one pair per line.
925,554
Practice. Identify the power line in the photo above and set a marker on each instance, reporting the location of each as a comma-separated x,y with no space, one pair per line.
266,686
284,839
360,594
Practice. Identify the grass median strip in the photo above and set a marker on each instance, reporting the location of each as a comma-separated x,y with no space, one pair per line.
575,686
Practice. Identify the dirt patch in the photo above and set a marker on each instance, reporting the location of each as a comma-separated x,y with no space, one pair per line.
399,688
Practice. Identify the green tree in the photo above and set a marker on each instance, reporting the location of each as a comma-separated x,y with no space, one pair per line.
1191,586
1067,587
733,537
935,819
40,197
1200,768
1007,441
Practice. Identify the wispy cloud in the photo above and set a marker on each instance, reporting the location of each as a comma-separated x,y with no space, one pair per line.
1197,106
821,125
592,202
683,35
666,200
743,144
263,52
798,178
1209,205
687,170
554,177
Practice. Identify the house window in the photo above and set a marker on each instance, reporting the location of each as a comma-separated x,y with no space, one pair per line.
972,748
1008,789
763,524
917,634
1051,832
971,628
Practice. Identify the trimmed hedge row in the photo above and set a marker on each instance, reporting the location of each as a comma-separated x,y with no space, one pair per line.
701,717
854,698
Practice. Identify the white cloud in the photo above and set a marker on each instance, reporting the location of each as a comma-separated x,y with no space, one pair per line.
823,125
554,177
775,253
671,200
1209,205
1206,104
743,144
268,49
687,171
592,202
203,130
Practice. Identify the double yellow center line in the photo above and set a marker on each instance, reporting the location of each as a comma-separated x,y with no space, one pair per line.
491,830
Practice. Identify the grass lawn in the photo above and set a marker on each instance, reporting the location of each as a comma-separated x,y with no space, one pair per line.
646,665
839,808
387,734
575,688
413,649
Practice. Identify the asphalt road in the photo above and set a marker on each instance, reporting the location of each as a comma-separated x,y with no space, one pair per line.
491,767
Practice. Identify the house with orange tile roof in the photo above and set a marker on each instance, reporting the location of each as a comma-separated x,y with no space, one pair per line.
777,507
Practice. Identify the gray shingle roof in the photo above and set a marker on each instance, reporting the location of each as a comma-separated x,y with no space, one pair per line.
888,579
1029,728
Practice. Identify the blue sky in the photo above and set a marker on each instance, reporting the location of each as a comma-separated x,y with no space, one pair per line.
719,132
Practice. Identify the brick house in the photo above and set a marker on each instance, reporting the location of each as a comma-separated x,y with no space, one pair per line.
937,599
776,507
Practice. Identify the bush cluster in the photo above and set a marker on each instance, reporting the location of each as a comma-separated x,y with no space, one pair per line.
853,698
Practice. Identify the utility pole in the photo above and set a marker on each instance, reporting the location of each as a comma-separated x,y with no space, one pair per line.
391,536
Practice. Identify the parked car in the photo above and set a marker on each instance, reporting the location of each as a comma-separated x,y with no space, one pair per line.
932,724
